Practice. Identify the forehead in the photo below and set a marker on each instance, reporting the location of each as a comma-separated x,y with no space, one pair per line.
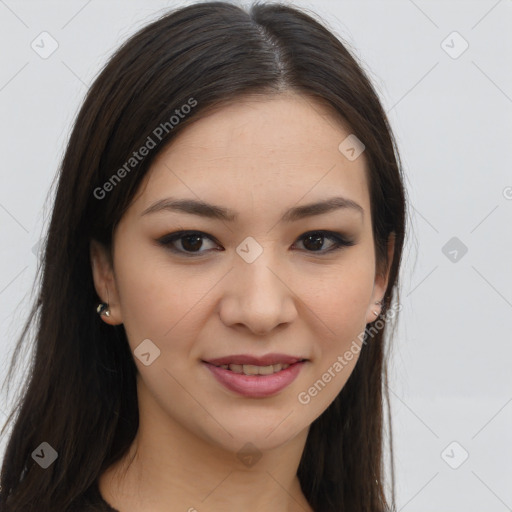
278,150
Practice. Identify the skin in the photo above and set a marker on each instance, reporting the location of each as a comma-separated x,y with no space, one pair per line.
259,157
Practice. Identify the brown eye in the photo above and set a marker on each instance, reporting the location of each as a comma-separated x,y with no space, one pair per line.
314,241
190,241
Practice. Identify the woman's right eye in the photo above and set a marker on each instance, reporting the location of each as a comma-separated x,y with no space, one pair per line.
191,241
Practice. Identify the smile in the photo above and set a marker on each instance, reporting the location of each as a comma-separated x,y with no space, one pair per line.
250,369
251,381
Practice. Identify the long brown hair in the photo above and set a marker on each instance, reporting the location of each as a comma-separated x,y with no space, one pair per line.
80,390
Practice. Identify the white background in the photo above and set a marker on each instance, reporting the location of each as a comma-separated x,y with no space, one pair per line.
450,372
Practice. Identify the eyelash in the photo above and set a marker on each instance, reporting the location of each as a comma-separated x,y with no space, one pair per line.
167,241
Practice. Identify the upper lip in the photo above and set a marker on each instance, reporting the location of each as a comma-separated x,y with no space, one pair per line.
266,360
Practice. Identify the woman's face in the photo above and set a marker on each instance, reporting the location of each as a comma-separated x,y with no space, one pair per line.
253,283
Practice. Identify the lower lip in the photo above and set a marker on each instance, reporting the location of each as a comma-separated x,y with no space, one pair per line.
256,386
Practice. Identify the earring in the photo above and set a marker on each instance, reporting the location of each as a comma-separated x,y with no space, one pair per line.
379,303
103,309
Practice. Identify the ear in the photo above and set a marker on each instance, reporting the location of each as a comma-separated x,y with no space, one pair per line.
380,285
104,281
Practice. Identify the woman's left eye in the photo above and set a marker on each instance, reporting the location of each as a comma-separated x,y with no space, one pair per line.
191,241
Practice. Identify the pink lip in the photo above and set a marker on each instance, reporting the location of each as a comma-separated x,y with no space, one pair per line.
256,386
265,360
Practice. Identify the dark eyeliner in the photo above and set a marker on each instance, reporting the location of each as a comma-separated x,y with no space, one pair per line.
338,240
167,241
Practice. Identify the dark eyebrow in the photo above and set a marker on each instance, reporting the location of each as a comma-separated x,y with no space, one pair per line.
212,211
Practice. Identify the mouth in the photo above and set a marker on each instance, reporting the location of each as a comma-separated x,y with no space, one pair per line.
254,381
254,360
256,370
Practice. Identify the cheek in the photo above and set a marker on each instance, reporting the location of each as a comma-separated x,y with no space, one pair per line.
156,299
340,307
165,301
340,299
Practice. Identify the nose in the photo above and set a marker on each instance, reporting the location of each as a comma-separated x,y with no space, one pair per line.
257,297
